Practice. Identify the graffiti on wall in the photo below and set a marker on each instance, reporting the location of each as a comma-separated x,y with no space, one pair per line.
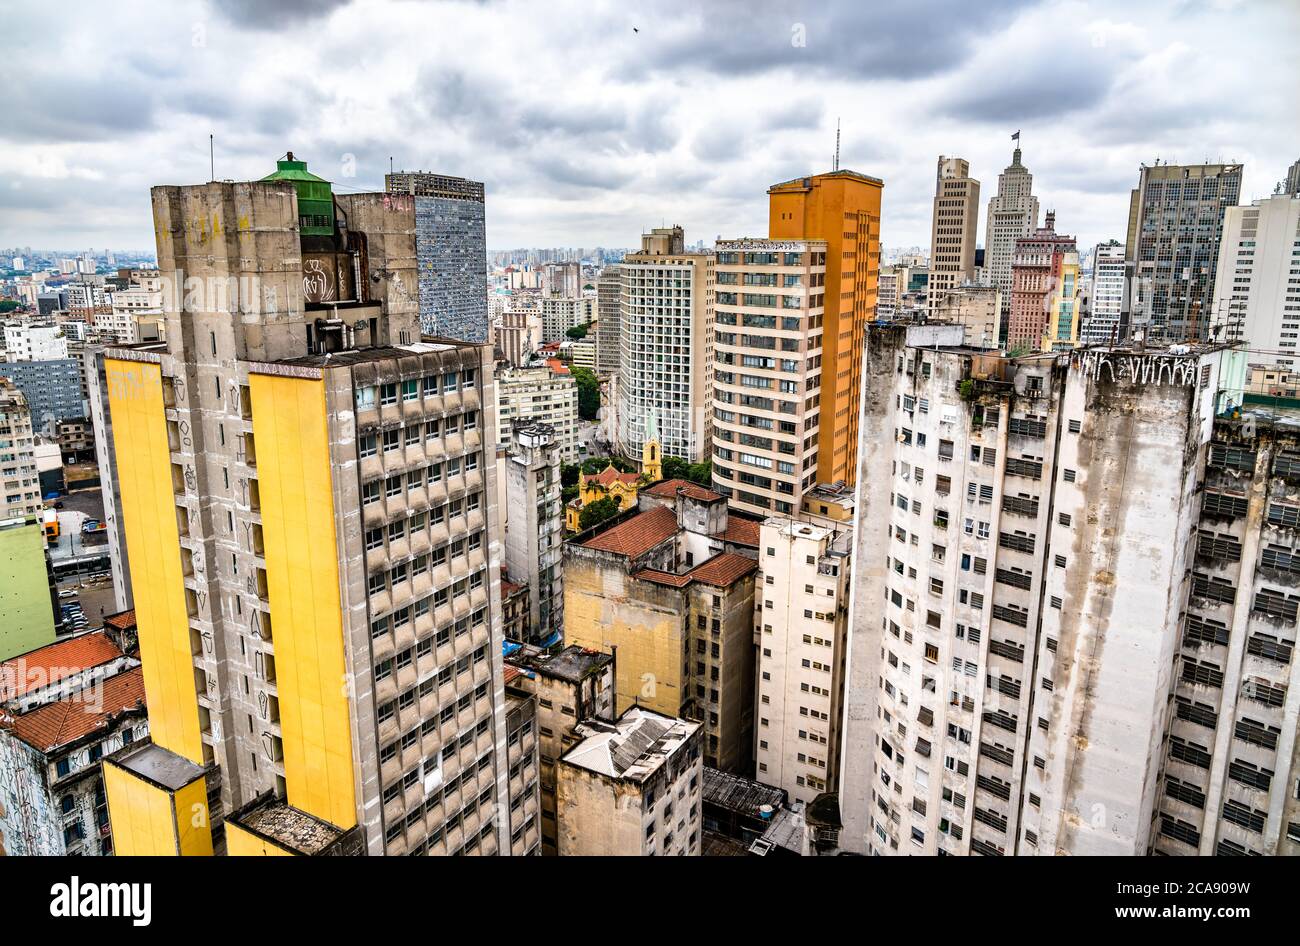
1148,368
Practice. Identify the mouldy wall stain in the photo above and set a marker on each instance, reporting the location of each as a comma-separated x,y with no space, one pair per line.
1113,673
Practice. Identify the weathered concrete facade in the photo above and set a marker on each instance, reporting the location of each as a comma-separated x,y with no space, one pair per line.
632,787
655,588
569,687
335,510
1011,659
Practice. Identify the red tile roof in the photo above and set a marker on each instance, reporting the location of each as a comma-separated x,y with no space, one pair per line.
557,366
511,672
740,531
50,664
667,489
123,621
610,475
662,578
58,724
637,535
723,570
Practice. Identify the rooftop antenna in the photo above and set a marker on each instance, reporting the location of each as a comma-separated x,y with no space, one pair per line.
390,164
212,159
836,165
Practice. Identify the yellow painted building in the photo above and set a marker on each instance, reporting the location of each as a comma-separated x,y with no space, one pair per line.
675,611
610,483
843,209
309,505
1063,306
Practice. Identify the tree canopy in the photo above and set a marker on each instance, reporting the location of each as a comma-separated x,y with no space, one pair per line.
594,514
675,468
588,392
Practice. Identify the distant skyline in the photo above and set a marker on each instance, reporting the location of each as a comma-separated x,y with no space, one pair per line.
586,132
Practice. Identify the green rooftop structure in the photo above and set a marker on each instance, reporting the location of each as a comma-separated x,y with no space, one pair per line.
315,196
26,599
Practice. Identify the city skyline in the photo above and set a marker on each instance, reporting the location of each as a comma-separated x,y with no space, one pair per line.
598,133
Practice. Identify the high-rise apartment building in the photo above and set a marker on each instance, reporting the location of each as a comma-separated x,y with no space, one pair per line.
1030,510
1175,223
887,294
543,395
1291,184
803,636
1102,326
451,252
1257,287
1012,214
666,347
562,279
1037,270
609,319
767,376
561,313
20,483
518,336
841,209
309,500
953,227
535,530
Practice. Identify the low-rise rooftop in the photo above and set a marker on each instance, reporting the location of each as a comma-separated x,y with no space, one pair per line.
65,721
47,665
632,748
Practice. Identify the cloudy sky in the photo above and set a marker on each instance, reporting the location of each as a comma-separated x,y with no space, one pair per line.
586,131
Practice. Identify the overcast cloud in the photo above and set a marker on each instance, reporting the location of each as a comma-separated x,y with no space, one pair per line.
586,132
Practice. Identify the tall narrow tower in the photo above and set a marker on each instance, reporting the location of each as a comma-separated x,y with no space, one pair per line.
1012,213
952,232
842,209
308,498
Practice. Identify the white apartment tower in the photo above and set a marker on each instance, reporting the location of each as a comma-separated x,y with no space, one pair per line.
542,395
1102,326
666,354
609,319
1257,287
1024,548
803,633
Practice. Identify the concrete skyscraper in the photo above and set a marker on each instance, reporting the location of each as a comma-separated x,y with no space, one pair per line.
535,527
451,251
1107,301
1012,213
309,501
666,353
769,350
1003,694
953,227
841,209
609,319
1175,222
1257,287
